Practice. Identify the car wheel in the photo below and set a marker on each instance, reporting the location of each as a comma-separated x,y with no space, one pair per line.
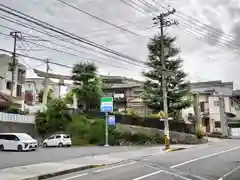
1,147
19,148
60,144
44,145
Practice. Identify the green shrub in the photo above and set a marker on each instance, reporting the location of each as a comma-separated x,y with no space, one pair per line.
97,133
199,133
79,141
153,116
132,112
78,127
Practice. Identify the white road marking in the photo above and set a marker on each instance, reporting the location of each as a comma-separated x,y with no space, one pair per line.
72,177
147,175
114,167
229,173
176,175
203,157
150,167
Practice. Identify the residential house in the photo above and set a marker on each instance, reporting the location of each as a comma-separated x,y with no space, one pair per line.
126,93
34,85
209,102
6,81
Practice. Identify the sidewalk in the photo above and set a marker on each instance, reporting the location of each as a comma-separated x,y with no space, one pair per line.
33,172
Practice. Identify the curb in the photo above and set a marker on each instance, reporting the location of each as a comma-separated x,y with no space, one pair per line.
59,173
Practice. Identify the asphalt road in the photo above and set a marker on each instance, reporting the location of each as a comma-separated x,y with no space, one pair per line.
11,159
217,161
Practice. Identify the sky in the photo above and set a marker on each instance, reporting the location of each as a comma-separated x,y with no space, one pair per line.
208,35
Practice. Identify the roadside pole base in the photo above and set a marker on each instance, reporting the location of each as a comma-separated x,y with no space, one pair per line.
106,145
168,150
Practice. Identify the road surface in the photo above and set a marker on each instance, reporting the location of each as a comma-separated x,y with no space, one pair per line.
217,161
11,159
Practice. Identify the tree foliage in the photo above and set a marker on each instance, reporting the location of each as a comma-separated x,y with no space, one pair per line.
177,87
54,119
88,85
68,99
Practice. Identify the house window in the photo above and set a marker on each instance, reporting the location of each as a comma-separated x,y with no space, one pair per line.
202,106
19,90
8,85
21,76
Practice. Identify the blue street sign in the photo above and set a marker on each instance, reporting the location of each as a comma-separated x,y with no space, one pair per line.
106,104
111,120
106,108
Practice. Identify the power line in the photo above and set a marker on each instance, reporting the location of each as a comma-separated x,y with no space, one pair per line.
192,24
62,39
86,58
133,7
227,46
63,32
149,5
35,58
67,53
197,22
102,20
71,54
124,25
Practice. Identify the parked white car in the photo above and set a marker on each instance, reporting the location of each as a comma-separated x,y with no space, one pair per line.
17,141
58,140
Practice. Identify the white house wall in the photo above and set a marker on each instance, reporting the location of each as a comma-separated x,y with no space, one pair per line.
226,89
7,75
214,110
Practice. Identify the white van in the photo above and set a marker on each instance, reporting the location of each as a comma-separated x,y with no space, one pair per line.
17,141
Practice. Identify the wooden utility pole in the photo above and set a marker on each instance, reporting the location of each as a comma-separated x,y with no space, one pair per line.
164,23
224,125
196,108
45,91
16,35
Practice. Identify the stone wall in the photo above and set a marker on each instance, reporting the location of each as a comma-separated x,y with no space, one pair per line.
6,127
17,123
176,137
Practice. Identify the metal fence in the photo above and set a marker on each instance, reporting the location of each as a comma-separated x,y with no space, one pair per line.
17,118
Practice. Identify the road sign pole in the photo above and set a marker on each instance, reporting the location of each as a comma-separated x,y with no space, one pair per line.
106,129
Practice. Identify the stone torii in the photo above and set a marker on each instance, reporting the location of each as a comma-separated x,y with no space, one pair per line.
61,79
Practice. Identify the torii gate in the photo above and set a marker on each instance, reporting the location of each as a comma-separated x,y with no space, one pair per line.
61,79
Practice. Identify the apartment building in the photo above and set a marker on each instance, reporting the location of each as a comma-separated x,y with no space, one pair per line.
6,80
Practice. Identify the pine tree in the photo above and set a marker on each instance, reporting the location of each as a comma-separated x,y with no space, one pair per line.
88,85
178,90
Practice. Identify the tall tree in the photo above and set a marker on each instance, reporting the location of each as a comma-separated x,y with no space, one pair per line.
178,90
88,85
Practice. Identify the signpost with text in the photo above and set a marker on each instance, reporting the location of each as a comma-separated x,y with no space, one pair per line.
106,105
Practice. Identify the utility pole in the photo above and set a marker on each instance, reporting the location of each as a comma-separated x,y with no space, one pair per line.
164,23
16,35
45,92
224,126
196,111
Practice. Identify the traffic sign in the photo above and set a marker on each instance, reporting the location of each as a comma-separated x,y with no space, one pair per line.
111,120
106,104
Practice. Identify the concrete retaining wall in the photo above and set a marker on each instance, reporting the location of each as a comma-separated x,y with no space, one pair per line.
176,137
17,123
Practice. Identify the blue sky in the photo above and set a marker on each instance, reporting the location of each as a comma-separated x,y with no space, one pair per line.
202,61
